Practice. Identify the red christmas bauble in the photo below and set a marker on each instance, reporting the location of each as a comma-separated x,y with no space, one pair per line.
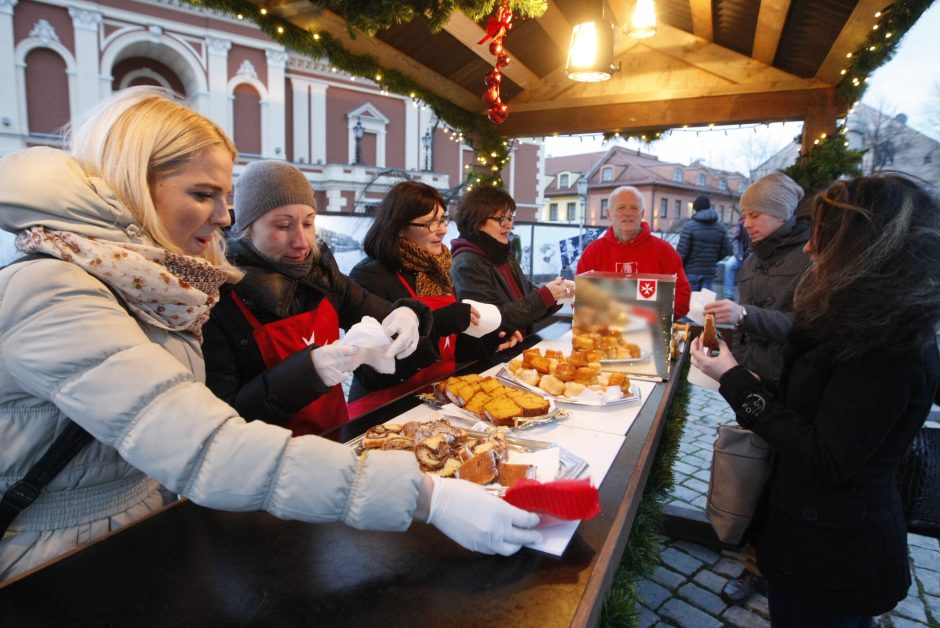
498,113
496,47
502,61
494,77
491,95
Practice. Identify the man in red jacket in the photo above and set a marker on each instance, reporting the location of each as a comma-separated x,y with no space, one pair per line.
629,247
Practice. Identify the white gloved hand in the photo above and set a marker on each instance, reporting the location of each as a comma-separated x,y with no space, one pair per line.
479,521
404,322
334,362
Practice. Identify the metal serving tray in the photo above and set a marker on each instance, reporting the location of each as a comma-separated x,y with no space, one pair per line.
506,376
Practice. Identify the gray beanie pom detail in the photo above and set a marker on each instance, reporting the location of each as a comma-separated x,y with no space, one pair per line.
775,194
266,185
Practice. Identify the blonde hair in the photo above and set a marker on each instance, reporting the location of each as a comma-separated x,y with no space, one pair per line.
138,136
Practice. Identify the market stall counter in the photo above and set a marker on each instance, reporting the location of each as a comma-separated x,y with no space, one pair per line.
192,566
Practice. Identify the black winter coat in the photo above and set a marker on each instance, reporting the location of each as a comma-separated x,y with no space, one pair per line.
703,243
235,369
832,528
453,319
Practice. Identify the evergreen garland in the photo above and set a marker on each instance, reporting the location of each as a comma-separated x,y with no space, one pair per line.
643,551
828,160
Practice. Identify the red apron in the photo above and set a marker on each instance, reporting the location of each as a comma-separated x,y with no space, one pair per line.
439,370
286,337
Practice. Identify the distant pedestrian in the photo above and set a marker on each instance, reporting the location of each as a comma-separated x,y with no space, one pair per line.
741,247
703,243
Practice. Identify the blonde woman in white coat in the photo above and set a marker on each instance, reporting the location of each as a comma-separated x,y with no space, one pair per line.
134,210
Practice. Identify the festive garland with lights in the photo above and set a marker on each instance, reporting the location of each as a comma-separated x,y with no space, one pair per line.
828,159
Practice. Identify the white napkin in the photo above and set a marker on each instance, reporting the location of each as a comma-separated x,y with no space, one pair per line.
490,319
370,339
697,304
699,378
546,462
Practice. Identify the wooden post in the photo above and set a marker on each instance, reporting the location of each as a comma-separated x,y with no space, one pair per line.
819,119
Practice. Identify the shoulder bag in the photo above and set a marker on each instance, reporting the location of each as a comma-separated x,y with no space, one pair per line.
741,465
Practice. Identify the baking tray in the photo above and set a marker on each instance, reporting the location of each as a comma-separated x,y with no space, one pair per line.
570,466
520,423
505,376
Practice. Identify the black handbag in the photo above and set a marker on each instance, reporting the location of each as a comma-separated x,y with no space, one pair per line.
919,483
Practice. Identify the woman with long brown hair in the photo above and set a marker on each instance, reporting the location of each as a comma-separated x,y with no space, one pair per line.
860,375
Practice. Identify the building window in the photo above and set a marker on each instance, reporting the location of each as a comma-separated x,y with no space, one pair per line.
553,211
563,181
663,207
678,208
677,175
721,212
701,179
603,209
246,117
607,174
572,216
723,184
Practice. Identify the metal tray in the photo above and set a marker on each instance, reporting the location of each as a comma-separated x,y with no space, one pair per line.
506,376
520,422
570,466
643,356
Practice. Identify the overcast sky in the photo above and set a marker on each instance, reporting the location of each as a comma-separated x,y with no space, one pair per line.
903,85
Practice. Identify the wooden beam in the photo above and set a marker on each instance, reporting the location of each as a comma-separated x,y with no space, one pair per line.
853,34
770,21
694,110
388,57
556,26
702,20
819,121
468,32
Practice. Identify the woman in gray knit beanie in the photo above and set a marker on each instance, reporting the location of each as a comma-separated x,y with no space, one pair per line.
276,354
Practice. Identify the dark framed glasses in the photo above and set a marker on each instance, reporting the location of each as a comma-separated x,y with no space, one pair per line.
503,220
432,225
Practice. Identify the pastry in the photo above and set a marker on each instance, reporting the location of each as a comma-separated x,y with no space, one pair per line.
475,405
532,404
502,411
479,469
573,389
508,474
376,435
400,443
710,333
551,384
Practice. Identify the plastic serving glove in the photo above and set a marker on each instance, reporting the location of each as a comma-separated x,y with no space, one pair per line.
335,362
403,322
479,521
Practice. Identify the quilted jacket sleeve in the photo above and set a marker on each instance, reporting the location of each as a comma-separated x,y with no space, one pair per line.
65,339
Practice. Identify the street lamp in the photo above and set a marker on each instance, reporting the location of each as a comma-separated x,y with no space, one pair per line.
427,140
582,184
358,130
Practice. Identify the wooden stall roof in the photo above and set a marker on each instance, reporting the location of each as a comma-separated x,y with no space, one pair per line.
710,61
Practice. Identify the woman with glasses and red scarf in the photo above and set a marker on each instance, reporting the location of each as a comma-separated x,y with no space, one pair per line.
407,259
484,268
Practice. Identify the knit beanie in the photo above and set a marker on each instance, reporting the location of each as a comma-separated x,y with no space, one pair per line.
267,185
775,195
702,202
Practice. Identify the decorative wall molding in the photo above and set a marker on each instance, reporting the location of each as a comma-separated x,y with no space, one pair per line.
218,46
6,6
44,32
247,69
86,18
276,57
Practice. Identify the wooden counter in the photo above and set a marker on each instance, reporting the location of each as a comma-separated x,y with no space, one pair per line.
191,566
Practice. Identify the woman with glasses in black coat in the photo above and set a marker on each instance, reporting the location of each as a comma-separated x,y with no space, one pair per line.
484,268
407,258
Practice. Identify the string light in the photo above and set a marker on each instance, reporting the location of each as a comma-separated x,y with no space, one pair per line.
263,11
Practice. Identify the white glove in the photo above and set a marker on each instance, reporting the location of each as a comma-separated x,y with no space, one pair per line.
404,322
479,521
335,362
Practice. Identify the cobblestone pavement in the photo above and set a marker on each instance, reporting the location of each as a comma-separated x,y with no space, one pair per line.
684,589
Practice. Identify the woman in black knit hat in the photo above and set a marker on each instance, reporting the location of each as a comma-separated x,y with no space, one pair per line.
271,345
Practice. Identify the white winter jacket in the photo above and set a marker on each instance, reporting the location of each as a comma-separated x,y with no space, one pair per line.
69,349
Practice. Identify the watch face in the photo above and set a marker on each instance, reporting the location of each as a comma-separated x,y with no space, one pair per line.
754,404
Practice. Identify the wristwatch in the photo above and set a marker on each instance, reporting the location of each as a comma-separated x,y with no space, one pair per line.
752,406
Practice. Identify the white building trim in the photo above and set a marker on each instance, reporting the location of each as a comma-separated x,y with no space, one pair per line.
373,121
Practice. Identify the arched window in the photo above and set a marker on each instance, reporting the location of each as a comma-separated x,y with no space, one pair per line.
134,71
246,116
47,92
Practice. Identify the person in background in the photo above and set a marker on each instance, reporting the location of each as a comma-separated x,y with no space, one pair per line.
741,247
763,315
271,344
861,373
104,321
407,258
629,247
485,270
703,243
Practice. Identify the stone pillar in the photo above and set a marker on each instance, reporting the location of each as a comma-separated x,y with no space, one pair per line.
415,124
218,83
85,24
318,121
11,131
300,94
273,141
